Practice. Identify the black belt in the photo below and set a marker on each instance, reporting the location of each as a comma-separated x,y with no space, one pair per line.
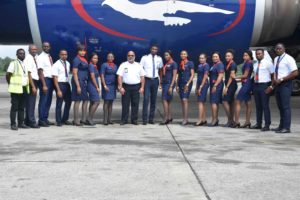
151,78
266,83
125,84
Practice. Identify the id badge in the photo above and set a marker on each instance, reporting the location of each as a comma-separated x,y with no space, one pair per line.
126,70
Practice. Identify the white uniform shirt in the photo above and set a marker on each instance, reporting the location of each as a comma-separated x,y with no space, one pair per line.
11,69
44,63
31,65
286,65
58,69
147,64
266,68
131,72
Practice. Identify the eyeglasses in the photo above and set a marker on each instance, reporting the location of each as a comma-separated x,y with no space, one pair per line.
130,56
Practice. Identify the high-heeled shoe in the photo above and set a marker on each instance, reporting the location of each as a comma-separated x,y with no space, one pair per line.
170,120
236,125
164,122
228,124
184,123
214,124
246,125
202,123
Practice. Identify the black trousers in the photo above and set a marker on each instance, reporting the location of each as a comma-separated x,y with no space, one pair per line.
18,102
131,96
66,92
262,103
30,106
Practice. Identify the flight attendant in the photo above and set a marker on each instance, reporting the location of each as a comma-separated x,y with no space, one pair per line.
44,63
108,74
263,71
201,88
168,75
285,71
80,70
230,87
93,88
244,95
216,86
185,83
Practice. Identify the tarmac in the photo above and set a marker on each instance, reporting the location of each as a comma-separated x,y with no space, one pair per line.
152,162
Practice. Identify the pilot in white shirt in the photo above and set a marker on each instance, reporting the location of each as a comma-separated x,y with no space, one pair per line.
45,63
263,72
285,71
131,84
151,63
60,73
31,63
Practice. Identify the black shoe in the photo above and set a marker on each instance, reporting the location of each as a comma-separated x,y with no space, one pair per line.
151,122
266,128
164,122
58,124
123,123
50,123
170,120
144,123
34,126
228,124
201,123
246,125
89,123
105,123
235,125
256,126
184,123
283,131
23,126
67,123
134,123
215,124
14,127
110,122
43,124
276,129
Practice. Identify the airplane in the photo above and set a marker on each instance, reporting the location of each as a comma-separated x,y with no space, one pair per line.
121,25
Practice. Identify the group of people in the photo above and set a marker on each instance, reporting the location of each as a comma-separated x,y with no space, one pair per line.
27,75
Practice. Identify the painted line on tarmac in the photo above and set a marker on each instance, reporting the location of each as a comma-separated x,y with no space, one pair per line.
186,160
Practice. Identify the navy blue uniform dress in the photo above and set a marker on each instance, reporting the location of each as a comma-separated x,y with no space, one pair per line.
229,97
213,76
167,77
109,70
184,74
202,70
246,89
83,71
92,90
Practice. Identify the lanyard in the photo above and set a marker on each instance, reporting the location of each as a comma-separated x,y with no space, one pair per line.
23,68
65,66
277,65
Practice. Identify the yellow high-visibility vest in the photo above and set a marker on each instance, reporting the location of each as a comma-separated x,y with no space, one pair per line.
15,85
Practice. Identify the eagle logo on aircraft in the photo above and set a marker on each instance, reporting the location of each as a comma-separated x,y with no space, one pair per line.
157,10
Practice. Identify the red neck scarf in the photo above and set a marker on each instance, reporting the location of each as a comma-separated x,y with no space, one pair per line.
82,58
111,64
95,66
228,64
165,66
182,64
215,64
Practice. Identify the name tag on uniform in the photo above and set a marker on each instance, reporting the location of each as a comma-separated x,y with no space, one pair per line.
126,70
